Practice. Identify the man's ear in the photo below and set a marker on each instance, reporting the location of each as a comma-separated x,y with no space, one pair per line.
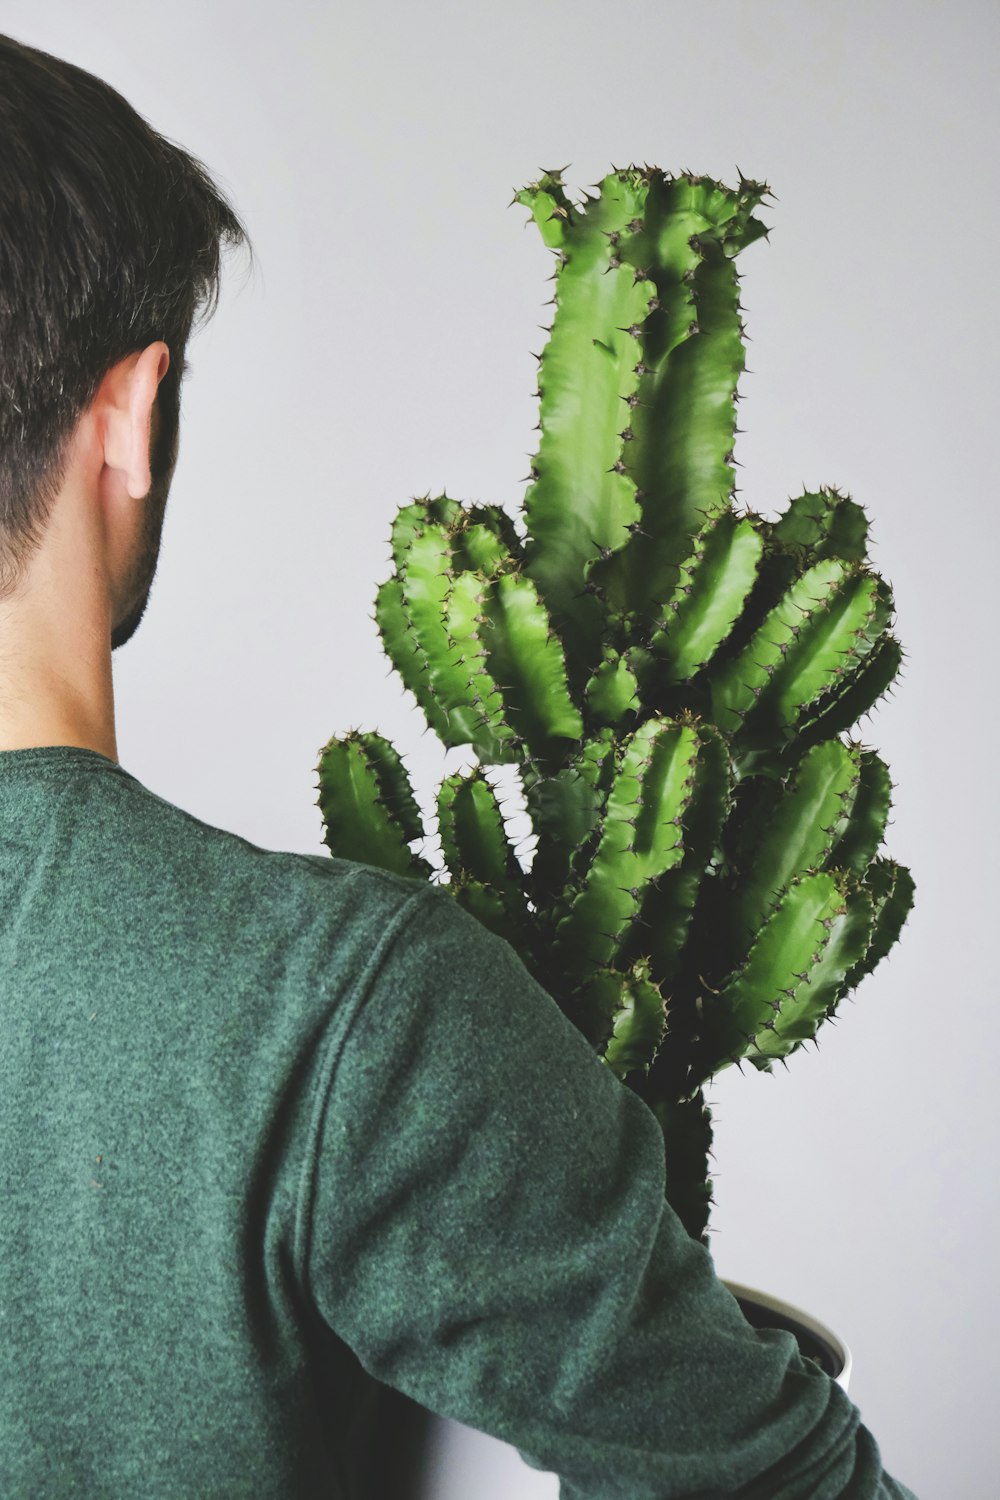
128,392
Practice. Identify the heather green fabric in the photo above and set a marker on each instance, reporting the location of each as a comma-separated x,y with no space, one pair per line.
269,1121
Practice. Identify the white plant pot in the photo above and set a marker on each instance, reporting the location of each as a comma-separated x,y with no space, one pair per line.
458,1462
814,1338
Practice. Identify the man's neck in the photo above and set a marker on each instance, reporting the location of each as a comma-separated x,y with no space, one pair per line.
40,708
55,652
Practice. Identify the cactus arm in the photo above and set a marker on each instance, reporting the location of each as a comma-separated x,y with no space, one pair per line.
582,499
426,580
489,907
804,521
526,658
797,652
834,707
801,1013
842,707
798,1017
864,644
475,842
892,890
393,783
685,423
696,388
478,549
635,847
847,529
422,613
563,809
550,208
638,1028
437,604
821,526
826,649
424,572
613,691
485,539
712,589
491,735
408,522
800,832
883,611
668,904
404,651
369,811
411,519
826,524
787,950
625,1014
858,844
738,685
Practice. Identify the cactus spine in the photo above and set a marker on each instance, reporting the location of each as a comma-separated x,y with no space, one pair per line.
671,678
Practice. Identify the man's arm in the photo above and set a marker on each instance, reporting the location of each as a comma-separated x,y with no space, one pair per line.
485,1226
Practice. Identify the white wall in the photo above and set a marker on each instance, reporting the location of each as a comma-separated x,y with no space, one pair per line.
384,350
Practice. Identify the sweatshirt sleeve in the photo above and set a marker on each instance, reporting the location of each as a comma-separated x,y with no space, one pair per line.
485,1226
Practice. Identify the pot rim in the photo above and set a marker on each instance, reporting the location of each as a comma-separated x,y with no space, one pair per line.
819,1330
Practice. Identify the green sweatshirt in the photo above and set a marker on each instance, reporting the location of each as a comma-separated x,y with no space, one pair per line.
274,1124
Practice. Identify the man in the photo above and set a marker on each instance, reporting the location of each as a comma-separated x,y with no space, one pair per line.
272,1125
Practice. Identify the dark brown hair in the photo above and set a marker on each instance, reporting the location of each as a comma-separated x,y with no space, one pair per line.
110,238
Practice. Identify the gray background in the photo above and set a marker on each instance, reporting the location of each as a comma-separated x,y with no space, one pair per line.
383,350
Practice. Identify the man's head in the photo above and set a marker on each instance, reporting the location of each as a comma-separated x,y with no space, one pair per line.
110,240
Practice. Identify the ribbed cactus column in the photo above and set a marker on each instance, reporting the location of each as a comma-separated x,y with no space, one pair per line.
670,348
671,678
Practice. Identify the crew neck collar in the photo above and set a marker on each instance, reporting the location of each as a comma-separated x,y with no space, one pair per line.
44,757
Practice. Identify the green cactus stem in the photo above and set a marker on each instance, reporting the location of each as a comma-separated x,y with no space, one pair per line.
624,1014
712,589
612,694
799,833
640,840
795,654
856,848
774,1001
564,805
891,887
527,659
684,420
582,499
479,856
368,806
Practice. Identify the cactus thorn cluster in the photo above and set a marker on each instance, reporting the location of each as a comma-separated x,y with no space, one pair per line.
674,679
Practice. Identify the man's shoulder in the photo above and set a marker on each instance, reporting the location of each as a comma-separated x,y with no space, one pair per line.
218,867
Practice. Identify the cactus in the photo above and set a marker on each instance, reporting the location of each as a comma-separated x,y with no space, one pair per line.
672,678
